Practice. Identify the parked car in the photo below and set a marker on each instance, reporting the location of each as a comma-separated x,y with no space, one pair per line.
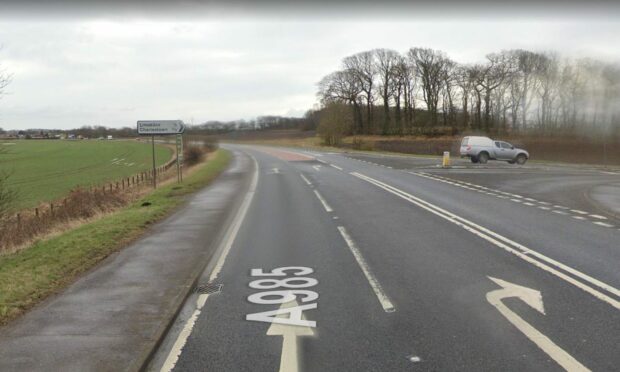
481,149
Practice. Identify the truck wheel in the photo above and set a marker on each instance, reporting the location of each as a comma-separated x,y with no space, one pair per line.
521,159
483,157
474,159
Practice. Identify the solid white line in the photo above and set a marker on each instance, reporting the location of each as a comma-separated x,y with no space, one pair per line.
229,238
501,241
387,305
325,205
305,179
335,166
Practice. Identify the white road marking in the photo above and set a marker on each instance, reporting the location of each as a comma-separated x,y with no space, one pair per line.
559,212
322,161
528,203
544,208
325,205
603,224
579,218
599,217
578,211
224,249
289,359
534,299
535,258
387,305
335,166
316,167
305,179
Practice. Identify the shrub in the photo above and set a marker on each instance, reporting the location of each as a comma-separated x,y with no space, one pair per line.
193,155
336,122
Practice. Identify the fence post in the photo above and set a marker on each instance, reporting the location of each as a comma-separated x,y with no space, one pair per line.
110,187
36,212
19,219
52,208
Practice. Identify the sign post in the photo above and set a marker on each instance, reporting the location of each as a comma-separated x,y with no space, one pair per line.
162,127
179,158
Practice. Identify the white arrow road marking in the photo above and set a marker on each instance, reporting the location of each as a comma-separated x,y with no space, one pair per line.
289,360
533,298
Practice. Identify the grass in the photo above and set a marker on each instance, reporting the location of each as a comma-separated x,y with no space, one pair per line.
30,275
45,170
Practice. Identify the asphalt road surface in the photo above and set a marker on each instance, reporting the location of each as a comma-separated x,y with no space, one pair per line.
350,262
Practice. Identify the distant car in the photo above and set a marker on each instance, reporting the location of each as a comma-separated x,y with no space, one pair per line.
481,149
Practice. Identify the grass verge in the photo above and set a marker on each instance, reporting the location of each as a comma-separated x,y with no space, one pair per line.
29,276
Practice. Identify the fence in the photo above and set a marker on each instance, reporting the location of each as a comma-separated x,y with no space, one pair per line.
81,203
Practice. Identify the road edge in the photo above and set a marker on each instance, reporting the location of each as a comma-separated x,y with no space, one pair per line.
142,363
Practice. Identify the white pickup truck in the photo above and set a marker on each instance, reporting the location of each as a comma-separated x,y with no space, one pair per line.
482,149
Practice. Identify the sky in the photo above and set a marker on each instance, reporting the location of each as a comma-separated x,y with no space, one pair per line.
73,66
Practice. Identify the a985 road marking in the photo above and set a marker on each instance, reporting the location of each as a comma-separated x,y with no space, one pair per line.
535,258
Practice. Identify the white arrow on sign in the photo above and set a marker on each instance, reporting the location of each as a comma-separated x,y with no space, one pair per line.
533,298
289,361
151,127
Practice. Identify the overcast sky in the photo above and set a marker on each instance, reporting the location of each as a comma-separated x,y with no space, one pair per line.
92,68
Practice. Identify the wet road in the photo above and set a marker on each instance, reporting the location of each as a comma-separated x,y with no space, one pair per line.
348,262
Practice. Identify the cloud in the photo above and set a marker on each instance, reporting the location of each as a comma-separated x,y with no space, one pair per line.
110,71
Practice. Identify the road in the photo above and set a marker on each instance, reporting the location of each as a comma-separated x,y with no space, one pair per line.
394,264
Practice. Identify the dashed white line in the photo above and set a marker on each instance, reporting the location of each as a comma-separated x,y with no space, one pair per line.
578,211
535,258
598,217
387,305
602,224
325,205
335,166
307,181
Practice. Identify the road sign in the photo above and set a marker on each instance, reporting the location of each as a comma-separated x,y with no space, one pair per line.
153,127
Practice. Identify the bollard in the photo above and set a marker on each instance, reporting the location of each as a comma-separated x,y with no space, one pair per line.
446,159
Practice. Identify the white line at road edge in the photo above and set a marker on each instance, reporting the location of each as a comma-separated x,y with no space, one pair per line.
325,205
516,249
227,243
374,283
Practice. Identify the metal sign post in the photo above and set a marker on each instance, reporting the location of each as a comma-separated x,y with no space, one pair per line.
179,158
163,127
154,171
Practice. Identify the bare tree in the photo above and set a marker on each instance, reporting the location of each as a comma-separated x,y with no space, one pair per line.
386,62
362,67
343,86
430,65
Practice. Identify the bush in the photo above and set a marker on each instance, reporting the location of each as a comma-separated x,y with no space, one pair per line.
193,155
335,123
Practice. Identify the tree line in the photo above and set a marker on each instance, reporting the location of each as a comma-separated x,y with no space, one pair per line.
424,91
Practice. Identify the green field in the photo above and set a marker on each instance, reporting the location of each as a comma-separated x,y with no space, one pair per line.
44,170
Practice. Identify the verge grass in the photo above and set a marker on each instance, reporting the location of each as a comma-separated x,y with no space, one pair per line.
30,275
